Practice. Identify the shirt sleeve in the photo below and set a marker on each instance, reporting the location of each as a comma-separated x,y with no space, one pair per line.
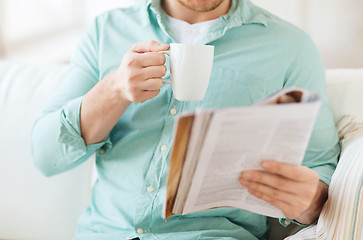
57,145
307,70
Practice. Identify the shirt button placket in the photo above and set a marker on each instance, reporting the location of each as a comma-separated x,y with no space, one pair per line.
150,189
102,151
140,231
173,111
163,148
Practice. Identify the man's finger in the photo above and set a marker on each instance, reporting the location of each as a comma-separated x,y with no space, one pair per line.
153,72
291,171
151,59
150,94
151,46
279,204
271,192
152,84
282,205
268,179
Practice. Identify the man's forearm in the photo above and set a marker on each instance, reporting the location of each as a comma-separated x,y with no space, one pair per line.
101,109
313,212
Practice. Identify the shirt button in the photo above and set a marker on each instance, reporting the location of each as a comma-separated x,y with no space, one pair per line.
163,148
150,189
102,151
140,231
173,111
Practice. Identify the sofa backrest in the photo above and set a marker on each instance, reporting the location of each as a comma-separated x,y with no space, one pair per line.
345,92
36,207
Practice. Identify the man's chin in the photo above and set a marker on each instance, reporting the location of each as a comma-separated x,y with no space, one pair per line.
201,5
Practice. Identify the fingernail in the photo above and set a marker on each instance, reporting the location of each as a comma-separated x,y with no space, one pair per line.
245,183
247,176
266,165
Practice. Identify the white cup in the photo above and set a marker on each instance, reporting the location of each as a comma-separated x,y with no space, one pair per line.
190,70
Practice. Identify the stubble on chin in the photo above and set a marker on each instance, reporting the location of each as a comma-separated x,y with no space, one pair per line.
201,5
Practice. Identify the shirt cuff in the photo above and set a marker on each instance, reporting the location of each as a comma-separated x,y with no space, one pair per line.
69,135
284,221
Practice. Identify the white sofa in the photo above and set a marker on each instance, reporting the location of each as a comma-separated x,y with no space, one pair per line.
39,208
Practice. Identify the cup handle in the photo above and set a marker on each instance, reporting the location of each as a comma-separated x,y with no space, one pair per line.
167,52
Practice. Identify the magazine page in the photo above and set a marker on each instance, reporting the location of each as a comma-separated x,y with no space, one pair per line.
289,95
240,139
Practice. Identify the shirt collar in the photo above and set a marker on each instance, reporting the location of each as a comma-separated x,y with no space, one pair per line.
241,12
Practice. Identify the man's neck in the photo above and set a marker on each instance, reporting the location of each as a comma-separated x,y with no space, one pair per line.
175,9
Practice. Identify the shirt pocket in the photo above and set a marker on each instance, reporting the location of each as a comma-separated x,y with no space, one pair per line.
231,88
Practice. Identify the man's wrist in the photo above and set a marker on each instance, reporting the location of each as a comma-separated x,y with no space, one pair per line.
313,212
113,86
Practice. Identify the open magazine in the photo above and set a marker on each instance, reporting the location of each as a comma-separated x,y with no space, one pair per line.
212,148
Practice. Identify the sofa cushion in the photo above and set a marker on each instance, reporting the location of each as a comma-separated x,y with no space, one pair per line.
33,206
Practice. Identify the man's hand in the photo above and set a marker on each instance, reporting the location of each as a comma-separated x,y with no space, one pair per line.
139,76
296,190
136,80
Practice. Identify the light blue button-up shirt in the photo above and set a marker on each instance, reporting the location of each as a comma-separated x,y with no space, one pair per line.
256,54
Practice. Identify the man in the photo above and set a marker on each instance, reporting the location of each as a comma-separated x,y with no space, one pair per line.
113,102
